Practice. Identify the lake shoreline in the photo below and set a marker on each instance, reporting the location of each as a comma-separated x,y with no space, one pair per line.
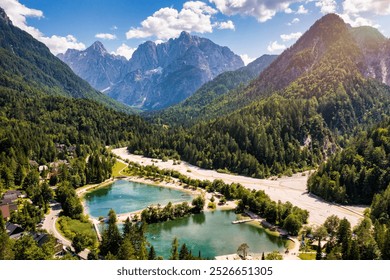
292,189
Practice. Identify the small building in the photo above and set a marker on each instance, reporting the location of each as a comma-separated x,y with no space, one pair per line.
12,195
4,208
13,230
42,168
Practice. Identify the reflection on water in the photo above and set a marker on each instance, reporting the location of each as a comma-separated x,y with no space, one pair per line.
199,218
124,196
213,234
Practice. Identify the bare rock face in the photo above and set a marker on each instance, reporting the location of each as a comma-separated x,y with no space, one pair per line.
95,65
156,76
376,52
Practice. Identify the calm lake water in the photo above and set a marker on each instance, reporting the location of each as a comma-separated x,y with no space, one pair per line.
124,196
211,232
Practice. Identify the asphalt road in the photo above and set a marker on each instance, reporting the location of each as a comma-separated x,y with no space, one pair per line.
50,223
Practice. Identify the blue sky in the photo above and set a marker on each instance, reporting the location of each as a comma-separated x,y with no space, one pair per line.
248,27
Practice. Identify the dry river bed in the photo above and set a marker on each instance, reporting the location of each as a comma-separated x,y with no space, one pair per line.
291,189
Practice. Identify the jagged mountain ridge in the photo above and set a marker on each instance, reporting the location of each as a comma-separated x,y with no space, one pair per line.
330,53
95,65
24,60
191,109
156,76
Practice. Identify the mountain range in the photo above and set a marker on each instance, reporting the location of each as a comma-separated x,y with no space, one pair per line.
24,60
295,114
192,109
156,76
331,55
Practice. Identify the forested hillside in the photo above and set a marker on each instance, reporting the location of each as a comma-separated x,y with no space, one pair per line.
31,124
358,172
267,138
26,63
193,109
301,108
329,62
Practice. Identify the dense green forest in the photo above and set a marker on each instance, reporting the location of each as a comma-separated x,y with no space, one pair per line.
269,137
67,138
358,172
31,125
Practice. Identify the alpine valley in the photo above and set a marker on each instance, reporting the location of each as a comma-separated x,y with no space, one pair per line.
231,136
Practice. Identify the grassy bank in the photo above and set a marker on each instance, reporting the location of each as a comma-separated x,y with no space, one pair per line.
70,228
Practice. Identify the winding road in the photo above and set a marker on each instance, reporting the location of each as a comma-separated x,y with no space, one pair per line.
50,223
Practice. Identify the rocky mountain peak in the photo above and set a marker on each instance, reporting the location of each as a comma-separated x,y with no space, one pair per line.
185,36
156,76
97,47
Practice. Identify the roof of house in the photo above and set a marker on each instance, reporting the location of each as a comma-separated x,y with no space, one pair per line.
11,192
12,229
41,238
5,211
6,201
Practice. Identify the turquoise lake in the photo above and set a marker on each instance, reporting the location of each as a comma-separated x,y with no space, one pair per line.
212,232
125,196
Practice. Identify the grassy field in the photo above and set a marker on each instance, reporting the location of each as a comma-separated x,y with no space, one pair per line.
69,228
307,256
118,166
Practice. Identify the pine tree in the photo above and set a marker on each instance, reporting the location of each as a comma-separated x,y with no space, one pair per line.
111,238
319,251
175,250
126,250
5,245
184,254
152,253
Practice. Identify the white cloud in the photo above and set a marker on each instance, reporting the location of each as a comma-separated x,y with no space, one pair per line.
378,7
168,22
302,10
288,11
158,42
327,6
114,27
225,25
360,12
292,36
124,50
18,14
294,21
105,36
275,47
356,20
60,44
262,10
246,59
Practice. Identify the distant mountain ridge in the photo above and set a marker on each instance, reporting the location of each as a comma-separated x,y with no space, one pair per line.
95,65
24,60
156,76
331,53
192,109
